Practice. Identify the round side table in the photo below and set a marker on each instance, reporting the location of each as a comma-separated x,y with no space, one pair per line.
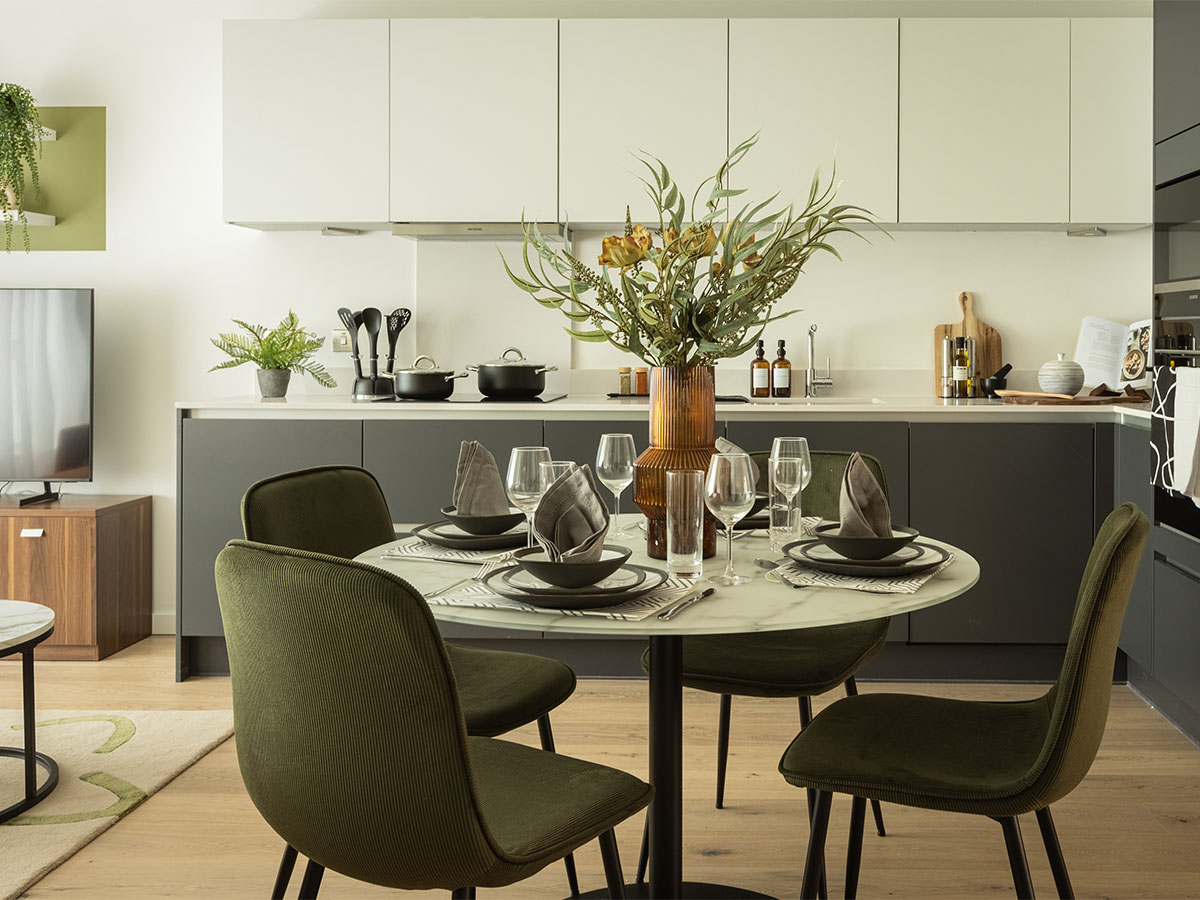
22,627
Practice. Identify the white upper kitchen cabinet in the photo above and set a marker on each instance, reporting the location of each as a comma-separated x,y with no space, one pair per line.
1112,160
813,88
474,120
985,120
306,122
655,85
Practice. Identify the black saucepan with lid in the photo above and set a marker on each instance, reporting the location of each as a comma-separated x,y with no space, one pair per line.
511,377
419,382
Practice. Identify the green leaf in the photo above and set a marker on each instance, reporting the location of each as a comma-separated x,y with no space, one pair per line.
590,337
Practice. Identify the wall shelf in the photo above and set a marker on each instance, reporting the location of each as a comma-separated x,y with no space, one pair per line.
49,134
32,218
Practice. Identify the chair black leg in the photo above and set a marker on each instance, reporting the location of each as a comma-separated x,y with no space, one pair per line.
463,894
722,747
876,810
311,884
284,875
805,718
547,737
613,876
858,814
1016,857
1058,865
814,863
644,853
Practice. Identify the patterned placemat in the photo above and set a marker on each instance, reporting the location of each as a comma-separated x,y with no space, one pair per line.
478,596
419,549
798,575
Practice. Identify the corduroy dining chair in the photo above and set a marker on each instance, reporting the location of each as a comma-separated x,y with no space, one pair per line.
995,759
341,511
353,746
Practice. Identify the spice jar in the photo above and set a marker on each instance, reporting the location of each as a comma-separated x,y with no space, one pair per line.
641,380
623,380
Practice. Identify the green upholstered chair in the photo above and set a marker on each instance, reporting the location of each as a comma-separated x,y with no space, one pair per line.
990,759
799,664
352,743
341,511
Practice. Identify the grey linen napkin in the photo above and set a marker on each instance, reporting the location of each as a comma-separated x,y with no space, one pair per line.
863,505
724,446
571,520
478,490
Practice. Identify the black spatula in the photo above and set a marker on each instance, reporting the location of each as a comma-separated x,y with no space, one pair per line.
396,323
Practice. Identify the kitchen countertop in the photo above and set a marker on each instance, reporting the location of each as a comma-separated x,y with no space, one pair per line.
583,406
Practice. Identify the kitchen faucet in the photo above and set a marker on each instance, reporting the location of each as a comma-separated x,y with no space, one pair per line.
812,380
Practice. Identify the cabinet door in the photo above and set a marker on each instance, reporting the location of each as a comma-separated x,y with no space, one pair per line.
1176,624
54,564
1176,89
628,85
474,120
852,116
306,121
1111,151
220,459
1018,497
984,120
1133,484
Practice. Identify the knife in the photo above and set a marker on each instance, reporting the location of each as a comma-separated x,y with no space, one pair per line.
671,611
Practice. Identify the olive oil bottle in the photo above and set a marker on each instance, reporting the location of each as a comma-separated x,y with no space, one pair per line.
760,374
781,374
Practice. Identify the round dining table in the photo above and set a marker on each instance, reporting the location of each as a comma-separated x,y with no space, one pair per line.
760,605
24,625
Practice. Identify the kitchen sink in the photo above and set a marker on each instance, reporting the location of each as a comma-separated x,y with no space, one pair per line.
819,401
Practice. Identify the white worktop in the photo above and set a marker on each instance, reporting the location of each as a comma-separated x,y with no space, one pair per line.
585,406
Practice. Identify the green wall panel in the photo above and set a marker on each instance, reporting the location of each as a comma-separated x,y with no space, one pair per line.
72,174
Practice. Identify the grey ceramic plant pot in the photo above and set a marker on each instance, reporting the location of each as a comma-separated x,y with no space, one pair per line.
273,383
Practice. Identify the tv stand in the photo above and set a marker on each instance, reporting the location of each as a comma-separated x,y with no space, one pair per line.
45,497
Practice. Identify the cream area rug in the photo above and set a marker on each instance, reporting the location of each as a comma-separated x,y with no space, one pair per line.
108,763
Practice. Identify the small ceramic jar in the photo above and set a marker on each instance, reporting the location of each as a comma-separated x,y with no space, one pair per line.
1061,376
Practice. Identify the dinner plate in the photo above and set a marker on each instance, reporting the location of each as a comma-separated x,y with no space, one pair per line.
822,552
625,578
930,557
575,598
445,534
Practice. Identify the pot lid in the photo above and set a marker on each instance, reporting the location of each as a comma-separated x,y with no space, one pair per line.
518,361
417,368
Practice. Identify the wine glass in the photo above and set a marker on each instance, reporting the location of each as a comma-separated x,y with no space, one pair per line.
524,481
614,469
549,471
782,525
729,495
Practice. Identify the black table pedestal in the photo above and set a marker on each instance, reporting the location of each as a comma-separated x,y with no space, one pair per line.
33,759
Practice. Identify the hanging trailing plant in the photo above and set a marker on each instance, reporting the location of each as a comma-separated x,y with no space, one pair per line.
20,146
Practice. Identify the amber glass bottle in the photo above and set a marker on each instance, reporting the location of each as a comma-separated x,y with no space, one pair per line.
781,374
760,374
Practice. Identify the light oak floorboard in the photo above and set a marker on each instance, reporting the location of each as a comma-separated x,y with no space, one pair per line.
1132,829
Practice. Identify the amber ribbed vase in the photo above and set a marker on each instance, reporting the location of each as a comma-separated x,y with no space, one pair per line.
683,423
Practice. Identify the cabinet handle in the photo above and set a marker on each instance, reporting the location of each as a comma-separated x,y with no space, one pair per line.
32,532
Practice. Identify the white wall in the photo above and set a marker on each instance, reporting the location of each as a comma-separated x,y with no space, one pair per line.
173,274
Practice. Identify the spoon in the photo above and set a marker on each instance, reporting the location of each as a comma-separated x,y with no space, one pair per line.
396,323
372,320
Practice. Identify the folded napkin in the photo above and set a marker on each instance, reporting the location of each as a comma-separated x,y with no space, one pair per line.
571,520
478,490
724,446
863,505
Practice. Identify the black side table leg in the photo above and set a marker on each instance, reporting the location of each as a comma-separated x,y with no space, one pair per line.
30,725
666,766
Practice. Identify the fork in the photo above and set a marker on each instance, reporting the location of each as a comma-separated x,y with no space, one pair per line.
486,569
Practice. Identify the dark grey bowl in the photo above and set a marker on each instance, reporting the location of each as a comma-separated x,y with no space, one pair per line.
571,575
863,547
483,524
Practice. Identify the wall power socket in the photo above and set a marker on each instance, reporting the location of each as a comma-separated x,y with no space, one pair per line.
339,340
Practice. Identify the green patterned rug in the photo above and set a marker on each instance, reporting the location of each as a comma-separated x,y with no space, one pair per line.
108,763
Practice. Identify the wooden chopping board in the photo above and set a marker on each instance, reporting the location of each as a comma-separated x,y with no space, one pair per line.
989,355
1033,398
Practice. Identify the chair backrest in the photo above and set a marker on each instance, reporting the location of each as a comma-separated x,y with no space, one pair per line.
821,496
336,510
350,738
1078,701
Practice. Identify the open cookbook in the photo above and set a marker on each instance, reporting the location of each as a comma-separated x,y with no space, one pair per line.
1114,353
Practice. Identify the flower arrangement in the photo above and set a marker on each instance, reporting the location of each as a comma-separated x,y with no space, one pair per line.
684,294
20,146
286,346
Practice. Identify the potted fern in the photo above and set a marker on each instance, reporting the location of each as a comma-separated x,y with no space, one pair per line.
278,353
20,146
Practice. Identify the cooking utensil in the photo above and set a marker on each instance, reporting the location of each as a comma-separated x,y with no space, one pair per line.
396,323
513,378
373,320
424,382
988,351
352,320
679,606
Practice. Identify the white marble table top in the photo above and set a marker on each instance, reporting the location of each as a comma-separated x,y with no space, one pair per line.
21,621
760,605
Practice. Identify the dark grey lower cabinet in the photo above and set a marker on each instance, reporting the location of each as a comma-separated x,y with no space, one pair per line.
218,460
1019,498
1132,483
1176,627
578,441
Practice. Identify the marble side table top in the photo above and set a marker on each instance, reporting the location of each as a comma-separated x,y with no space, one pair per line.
21,622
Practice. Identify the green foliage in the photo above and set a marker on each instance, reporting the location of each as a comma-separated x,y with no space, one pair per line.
20,147
286,346
682,295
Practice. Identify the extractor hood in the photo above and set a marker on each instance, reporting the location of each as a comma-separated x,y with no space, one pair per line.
472,231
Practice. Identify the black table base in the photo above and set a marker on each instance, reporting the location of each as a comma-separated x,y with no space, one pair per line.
33,759
691,890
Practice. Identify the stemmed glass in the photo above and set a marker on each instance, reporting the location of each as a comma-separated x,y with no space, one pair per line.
790,466
550,471
524,482
614,468
729,495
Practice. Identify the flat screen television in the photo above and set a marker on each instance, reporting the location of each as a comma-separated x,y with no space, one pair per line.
46,386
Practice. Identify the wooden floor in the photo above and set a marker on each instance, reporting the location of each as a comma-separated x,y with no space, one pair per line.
1132,829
